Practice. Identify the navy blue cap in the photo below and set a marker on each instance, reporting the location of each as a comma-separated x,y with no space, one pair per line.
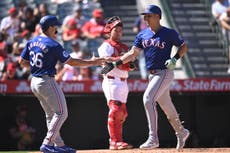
49,20
152,9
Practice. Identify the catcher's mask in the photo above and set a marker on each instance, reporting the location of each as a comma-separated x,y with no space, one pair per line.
111,23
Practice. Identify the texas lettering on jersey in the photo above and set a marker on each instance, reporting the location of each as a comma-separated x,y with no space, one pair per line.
153,42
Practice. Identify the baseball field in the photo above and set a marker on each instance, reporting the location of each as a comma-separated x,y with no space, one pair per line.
159,150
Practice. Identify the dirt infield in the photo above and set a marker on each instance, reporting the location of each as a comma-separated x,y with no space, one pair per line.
159,150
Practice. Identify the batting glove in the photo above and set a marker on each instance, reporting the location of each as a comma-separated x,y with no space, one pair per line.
171,63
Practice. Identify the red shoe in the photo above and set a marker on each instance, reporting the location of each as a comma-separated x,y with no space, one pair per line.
119,146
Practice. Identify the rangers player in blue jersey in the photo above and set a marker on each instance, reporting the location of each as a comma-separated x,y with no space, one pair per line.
41,54
157,42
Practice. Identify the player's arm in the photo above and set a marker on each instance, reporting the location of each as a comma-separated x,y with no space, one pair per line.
182,50
130,55
127,57
23,62
84,62
171,63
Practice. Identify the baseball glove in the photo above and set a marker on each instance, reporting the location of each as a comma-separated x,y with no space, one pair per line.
132,65
107,68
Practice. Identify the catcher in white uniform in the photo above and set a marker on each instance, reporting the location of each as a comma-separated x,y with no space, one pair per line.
114,84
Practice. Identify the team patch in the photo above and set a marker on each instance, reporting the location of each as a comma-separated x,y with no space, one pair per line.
65,53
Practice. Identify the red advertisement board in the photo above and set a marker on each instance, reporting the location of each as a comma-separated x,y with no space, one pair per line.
135,85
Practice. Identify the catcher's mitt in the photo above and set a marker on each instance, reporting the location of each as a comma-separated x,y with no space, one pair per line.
132,65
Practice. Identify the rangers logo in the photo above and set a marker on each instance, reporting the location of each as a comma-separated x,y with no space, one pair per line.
65,53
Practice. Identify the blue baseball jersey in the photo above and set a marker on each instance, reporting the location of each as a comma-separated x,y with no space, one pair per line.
157,46
43,53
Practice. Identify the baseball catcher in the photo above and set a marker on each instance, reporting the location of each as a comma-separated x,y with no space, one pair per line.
114,83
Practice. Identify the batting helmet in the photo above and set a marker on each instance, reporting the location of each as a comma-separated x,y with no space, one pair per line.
152,9
111,23
48,20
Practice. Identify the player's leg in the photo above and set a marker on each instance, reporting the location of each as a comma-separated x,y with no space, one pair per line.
116,93
151,94
169,109
116,117
115,120
56,100
47,146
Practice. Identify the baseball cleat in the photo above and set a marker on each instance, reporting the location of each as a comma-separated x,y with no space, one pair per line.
65,149
119,146
47,149
181,138
149,144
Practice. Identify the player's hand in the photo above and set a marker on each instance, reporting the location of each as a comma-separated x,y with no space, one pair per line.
171,63
108,67
98,61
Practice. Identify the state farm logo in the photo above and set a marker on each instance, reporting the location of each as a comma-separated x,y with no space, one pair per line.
3,87
23,87
175,86
72,86
137,86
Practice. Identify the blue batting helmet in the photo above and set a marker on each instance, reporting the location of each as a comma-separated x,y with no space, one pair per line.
49,20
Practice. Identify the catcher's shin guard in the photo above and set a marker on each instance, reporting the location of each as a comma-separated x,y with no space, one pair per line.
116,118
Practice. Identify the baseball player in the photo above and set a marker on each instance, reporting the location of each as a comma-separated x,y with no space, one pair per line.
114,83
157,42
41,54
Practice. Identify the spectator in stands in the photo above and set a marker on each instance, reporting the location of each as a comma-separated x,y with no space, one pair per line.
41,10
91,4
219,7
37,31
3,51
28,20
60,1
22,4
68,73
10,24
22,132
93,30
79,20
225,23
85,74
3,45
70,32
10,73
88,6
140,24
77,16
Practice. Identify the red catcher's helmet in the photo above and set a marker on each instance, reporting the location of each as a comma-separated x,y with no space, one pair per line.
111,23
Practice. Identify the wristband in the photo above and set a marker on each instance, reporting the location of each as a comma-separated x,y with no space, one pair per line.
177,56
119,62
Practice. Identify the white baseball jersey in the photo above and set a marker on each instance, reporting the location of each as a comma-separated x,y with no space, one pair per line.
114,84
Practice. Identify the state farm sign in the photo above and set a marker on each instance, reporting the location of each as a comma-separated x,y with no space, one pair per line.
135,85
197,85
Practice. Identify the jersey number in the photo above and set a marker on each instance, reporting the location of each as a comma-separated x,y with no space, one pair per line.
36,59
